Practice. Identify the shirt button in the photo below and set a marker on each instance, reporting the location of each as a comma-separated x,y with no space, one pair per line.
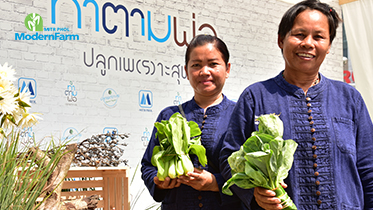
315,165
309,111
204,117
202,127
318,193
308,99
199,197
308,104
311,123
317,182
316,173
200,205
319,202
313,139
310,118
203,122
313,130
314,147
314,156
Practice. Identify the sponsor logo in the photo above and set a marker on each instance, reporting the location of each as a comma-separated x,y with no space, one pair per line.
145,138
27,135
178,100
71,134
28,85
110,97
34,22
145,99
71,93
109,130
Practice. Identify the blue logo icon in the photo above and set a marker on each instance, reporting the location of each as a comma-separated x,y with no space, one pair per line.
71,93
71,134
146,99
109,130
27,85
110,97
145,137
178,99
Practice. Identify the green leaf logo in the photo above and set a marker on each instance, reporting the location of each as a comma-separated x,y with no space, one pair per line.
34,22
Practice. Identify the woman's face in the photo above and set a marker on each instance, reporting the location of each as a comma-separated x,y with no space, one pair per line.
304,48
206,70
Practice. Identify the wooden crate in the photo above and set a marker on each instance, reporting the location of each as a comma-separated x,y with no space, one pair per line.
109,183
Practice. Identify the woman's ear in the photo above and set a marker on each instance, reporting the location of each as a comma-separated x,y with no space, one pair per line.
186,72
280,42
228,70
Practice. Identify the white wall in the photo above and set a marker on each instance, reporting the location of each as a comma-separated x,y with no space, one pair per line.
249,28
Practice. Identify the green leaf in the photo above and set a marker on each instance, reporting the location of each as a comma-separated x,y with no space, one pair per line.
200,151
265,157
194,129
174,137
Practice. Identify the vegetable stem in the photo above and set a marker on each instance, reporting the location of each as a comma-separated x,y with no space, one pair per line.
286,201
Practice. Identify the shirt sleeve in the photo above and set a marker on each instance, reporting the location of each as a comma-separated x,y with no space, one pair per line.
148,171
364,144
239,129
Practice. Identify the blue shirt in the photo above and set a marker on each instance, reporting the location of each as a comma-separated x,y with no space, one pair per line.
333,164
213,124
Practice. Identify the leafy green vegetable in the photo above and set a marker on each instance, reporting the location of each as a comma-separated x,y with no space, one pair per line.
177,138
264,160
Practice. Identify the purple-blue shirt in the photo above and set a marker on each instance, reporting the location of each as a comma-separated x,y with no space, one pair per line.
333,164
213,124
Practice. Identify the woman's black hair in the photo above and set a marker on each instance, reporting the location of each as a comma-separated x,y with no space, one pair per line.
287,20
203,39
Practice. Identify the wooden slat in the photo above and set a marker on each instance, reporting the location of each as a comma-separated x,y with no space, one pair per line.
118,192
79,194
114,184
346,1
82,184
73,174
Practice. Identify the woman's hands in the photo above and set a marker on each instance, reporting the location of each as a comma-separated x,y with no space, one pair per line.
267,198
201,180
168,183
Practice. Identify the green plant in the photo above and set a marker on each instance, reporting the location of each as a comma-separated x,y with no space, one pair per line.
24,168
23,177
263,160
171,157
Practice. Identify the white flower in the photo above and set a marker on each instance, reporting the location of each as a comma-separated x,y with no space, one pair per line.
7,72
13,106
25,97
7,103
5,85
28,120
18,114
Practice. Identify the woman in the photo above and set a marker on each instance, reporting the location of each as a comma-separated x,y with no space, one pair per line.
207,68
333,165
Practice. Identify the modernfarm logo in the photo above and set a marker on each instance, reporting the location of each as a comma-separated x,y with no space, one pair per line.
34,23
106,12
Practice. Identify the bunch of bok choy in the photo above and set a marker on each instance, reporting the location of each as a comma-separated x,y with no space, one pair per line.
177,138
264,160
